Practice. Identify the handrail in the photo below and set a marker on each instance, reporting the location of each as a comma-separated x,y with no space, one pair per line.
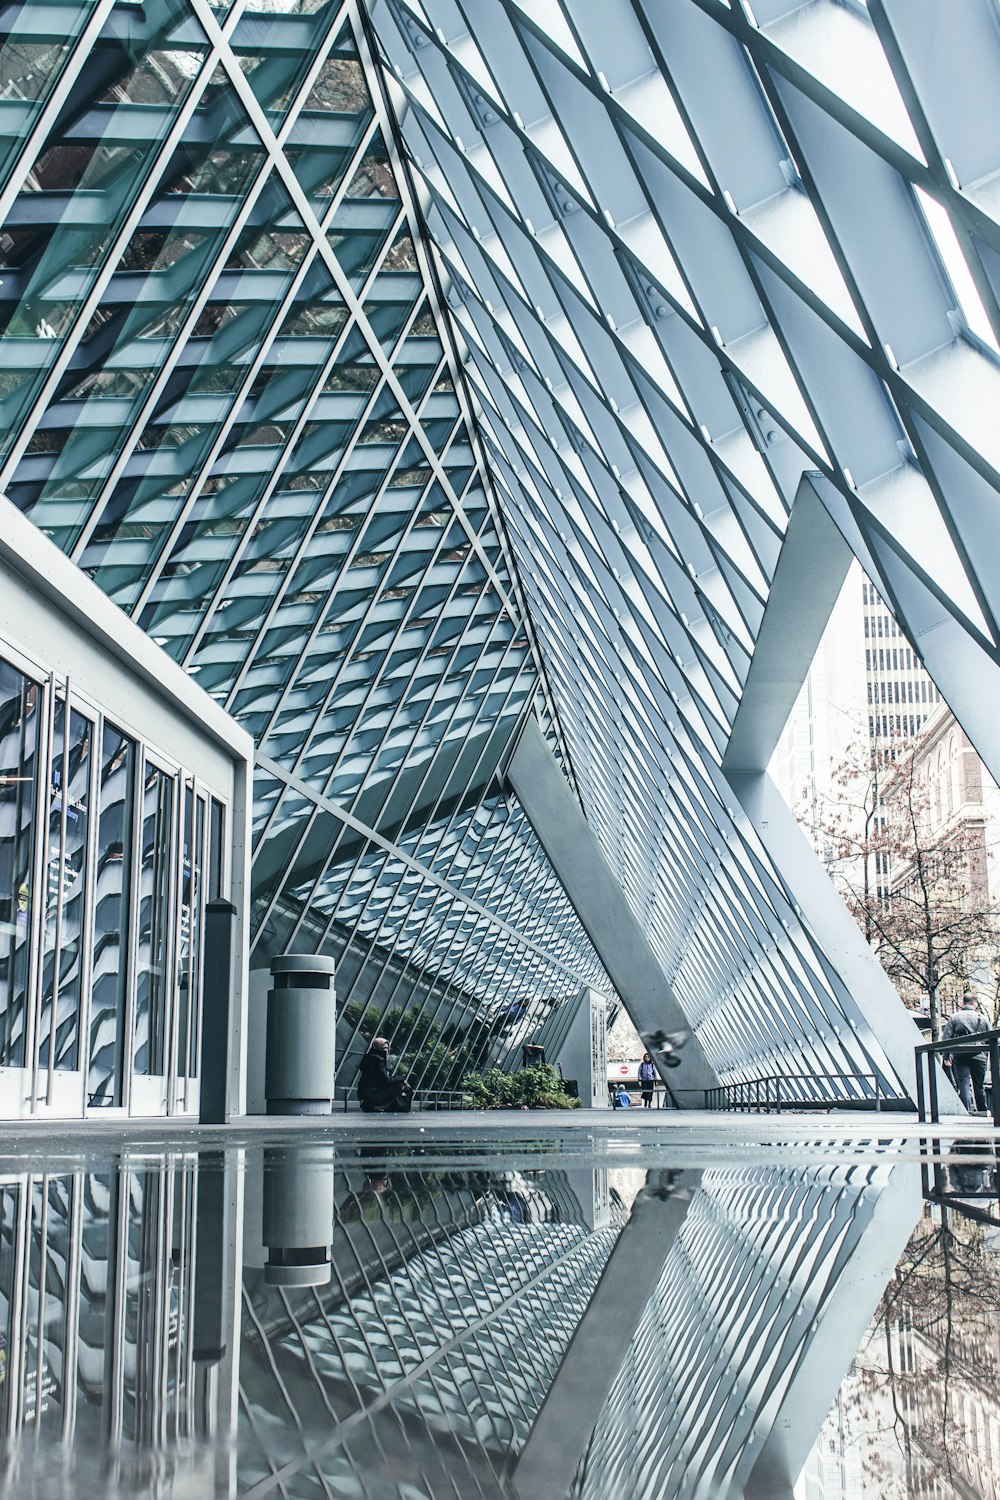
951,1182
980,1041
768,1093
661,1093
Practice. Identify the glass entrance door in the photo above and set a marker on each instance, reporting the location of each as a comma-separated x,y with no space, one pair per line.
108,853
21,740
65,952
113,906
191,914
155,950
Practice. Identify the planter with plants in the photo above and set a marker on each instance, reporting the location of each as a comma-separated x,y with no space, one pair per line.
537,1087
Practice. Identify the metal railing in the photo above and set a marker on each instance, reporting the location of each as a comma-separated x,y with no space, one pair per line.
927,1088
968,1176
661,1095
778,1092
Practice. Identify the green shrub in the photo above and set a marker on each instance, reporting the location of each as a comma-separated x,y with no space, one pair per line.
537,1087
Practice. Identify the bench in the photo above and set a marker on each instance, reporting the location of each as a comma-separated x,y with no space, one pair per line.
422,1098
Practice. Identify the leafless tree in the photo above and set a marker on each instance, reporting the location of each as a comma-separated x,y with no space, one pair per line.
915,884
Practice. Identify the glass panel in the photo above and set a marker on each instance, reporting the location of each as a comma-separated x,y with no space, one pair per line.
72,205
189,955
65,887
45,1344
34,47
10,1198
215,851
153,956
139,1251
108,1013
19,708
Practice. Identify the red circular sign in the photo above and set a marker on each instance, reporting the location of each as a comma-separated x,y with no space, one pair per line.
624,1069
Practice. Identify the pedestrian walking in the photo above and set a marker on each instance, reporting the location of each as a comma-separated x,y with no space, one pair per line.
968,1065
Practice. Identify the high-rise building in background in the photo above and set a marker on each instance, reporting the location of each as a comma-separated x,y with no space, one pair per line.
830,711
901,695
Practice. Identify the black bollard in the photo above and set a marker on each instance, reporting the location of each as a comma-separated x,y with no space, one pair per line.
216,1011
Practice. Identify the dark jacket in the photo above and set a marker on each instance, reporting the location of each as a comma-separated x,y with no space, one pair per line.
374,1078
962,1025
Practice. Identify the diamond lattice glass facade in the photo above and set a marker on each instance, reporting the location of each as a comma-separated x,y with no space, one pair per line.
409,369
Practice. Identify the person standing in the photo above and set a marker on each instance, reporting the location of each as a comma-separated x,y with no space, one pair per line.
968,1066
647,1080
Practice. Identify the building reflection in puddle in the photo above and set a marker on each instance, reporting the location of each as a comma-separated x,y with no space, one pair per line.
296,1323
116,1317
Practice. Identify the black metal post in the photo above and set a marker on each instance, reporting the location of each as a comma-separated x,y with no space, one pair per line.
921,1100
216,1010
933,1085
995,1080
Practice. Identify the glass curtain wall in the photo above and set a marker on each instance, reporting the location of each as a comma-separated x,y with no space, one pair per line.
227,395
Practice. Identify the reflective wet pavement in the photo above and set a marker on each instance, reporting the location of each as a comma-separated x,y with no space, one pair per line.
594,1313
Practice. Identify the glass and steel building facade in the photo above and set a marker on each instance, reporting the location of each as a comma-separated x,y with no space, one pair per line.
408,371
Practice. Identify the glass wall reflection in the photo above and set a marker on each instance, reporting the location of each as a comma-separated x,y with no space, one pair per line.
302,1320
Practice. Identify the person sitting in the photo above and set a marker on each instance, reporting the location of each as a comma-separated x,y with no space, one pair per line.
622,1098
379,1090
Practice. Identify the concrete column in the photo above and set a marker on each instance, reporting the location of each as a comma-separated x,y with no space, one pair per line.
583,1054
605,915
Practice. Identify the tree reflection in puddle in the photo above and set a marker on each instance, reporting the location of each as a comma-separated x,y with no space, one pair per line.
919,1412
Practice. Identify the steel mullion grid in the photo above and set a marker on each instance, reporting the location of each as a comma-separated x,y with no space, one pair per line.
358,862
427,863
281,168
279,467
52,108
795,288
370,614
278,310
796,986
301,554
449,991
179,342
640,398
514,645
511,660
446,333
355,548
650,581
377,681
112,255
654,584
631,442
412,941
377,841
357,324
